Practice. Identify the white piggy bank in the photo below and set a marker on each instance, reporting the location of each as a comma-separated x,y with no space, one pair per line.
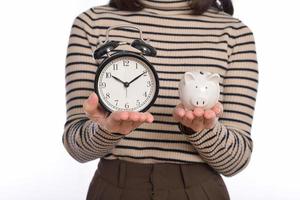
199,89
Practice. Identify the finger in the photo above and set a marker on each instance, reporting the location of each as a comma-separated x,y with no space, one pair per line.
133,116
90,105
116,118
180,110
176,115
149,117
209,114
120,116
186,120
142,117
190,115
198,112
218,109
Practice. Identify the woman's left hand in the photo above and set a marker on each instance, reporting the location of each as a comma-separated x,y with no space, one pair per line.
198,119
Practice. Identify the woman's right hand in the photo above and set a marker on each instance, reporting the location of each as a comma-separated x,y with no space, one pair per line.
122,122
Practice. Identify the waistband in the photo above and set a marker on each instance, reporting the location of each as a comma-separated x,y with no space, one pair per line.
126,174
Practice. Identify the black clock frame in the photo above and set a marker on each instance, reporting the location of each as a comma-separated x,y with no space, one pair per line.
118,54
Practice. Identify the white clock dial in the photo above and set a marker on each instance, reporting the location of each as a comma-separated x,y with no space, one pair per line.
126,83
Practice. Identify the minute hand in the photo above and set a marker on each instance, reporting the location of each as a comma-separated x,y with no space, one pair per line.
137,77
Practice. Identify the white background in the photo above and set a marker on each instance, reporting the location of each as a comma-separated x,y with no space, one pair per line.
35,165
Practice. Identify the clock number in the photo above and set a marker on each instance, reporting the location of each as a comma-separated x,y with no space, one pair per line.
117,101
107,95
148,83
126,105
138,103
115,66
136,65
125,62
102,84
108,75
145,94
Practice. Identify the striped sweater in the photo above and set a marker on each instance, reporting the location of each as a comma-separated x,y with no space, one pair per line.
213,41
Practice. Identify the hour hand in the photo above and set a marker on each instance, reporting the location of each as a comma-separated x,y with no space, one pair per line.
118,79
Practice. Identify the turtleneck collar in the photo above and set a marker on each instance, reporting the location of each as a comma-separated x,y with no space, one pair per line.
167,7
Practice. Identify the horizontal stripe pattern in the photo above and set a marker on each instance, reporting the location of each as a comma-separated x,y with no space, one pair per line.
214,42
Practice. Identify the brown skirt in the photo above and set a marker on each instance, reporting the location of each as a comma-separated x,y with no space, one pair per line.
123,180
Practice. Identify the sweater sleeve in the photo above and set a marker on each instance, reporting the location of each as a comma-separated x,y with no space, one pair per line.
84,139
227,147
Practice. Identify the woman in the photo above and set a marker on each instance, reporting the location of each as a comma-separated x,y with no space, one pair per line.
167,152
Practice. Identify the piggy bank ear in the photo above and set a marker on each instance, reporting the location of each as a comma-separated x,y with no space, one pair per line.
188,76
214,77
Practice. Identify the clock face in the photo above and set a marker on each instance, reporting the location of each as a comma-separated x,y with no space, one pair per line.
126,83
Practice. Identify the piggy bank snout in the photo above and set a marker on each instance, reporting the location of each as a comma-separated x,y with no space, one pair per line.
199,101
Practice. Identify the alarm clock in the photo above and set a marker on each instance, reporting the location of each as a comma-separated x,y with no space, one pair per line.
125,80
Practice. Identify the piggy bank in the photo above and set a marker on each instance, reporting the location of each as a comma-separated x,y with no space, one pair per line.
199,89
